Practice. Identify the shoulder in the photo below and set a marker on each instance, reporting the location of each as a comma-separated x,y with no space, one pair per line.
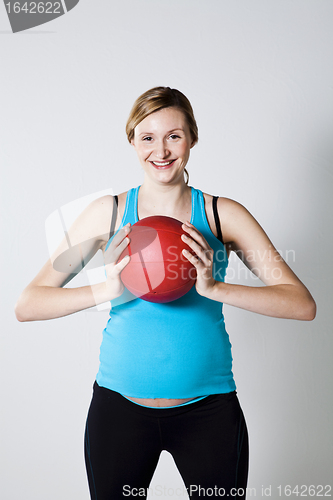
100,207
226,207
229,207
105,205
235,219
227,210
226,203
96,217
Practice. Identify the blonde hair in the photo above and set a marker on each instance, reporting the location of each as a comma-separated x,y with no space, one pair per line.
158,98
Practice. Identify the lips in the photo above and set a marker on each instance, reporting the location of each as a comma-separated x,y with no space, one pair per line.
162,164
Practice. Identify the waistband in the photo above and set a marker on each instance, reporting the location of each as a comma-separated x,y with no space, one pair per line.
117,398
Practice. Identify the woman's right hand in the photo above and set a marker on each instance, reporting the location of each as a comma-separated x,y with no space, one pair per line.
113,268
47,297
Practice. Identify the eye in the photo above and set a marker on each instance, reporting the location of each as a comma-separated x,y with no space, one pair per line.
147,138
174,136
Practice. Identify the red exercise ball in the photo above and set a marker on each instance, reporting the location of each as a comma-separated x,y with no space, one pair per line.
157,271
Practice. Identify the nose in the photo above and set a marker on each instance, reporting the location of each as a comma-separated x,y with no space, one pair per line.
161,150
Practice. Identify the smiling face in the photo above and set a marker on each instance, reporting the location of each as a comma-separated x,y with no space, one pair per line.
163,142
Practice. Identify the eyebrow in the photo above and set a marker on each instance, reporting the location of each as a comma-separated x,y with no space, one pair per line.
170,131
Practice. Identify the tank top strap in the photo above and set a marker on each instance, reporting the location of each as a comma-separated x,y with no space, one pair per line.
130,211
199,218
131,207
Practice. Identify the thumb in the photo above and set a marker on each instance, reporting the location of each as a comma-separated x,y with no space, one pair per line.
123,263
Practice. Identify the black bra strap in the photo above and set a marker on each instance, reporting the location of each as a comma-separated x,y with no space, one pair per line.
217,219
114,215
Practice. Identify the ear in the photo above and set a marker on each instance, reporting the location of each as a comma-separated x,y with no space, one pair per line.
193,144
132,143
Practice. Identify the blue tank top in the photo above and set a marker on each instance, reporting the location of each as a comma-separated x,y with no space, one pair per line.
175,350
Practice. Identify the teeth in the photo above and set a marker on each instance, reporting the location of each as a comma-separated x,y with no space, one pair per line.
162,164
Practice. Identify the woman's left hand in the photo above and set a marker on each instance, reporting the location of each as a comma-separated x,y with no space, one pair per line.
203,261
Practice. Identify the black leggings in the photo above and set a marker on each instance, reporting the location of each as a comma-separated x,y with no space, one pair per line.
207,439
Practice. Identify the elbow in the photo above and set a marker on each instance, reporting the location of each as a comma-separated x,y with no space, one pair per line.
313,311
309,310
19,312
22,309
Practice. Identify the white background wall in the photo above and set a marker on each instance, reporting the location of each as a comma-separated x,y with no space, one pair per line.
259,76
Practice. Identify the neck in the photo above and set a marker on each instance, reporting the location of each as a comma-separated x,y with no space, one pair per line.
163,199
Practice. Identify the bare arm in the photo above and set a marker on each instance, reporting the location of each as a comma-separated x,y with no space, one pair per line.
45,298
284,295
